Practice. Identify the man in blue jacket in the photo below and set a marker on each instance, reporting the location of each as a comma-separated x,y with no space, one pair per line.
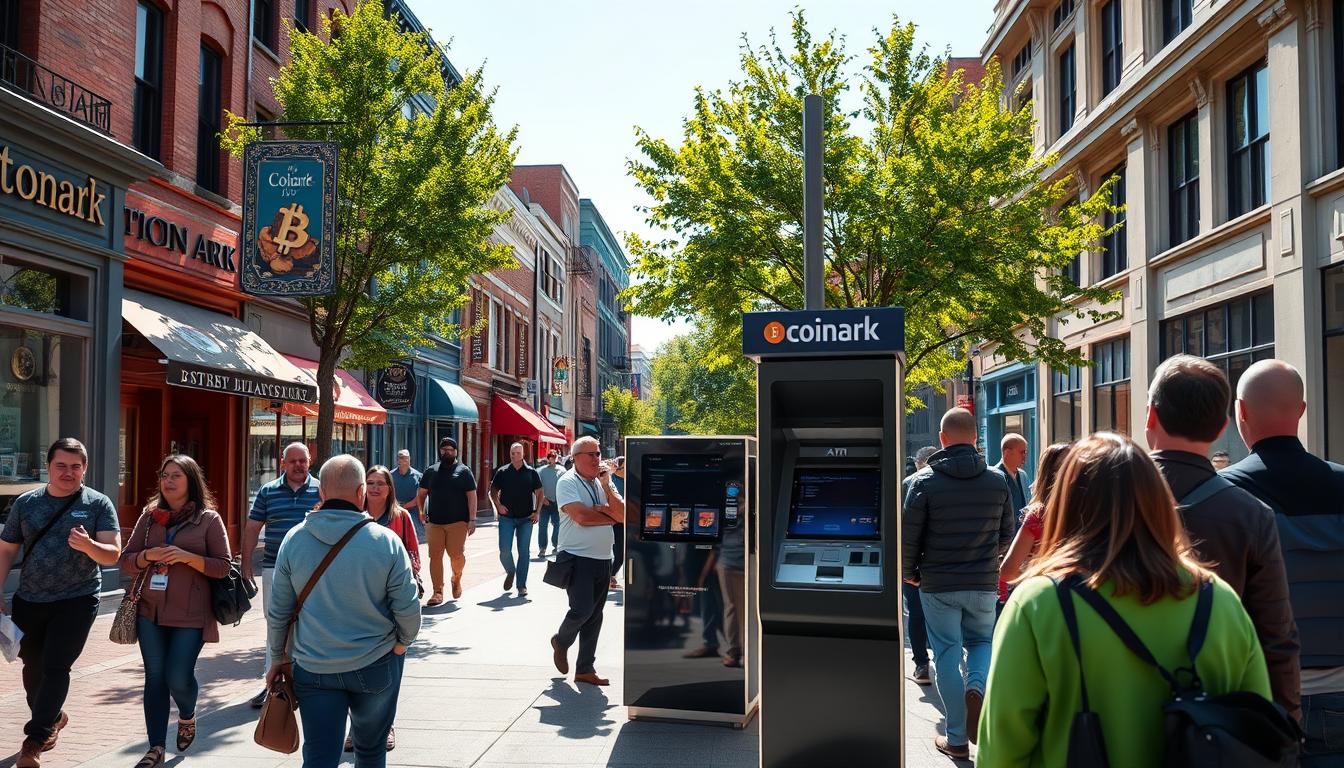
352,630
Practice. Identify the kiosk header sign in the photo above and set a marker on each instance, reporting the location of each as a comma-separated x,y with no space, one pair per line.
289,218
871,330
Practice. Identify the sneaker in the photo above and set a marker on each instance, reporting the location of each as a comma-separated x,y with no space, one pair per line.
259,700
956,752
922,675
508,582
974,700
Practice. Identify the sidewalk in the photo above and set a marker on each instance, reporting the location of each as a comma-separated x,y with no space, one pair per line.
479,691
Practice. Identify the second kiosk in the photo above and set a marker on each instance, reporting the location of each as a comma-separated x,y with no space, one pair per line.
829,413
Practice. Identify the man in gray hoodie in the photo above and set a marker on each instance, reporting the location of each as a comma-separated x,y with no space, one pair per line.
352,631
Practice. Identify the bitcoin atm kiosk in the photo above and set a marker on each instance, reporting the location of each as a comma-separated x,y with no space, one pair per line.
690,579
829,389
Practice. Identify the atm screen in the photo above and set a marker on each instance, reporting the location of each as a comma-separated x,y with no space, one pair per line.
836,504
682,497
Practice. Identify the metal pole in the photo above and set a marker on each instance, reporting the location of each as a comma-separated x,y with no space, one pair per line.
814,289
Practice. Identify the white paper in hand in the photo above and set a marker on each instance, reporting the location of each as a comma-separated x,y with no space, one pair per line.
10,634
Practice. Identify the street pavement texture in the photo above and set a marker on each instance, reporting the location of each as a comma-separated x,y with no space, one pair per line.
479,691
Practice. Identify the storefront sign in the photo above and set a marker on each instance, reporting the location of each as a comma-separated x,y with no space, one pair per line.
234,383
289,218
162,233
478,340
84,199
395,387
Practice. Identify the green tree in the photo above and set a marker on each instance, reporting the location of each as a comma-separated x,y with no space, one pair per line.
412,222
934,202
633,416
705,393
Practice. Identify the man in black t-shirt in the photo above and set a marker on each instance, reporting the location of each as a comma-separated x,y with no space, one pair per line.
447,504
517,494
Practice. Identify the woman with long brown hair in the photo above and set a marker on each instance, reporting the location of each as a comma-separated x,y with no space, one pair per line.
1110,523
1032,523
177,546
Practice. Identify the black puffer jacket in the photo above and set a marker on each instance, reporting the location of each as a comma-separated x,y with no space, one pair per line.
957,523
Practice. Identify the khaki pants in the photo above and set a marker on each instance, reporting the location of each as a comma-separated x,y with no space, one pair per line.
733,585
450,538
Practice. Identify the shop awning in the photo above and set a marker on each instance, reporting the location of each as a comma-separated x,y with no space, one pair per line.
354,404
588,429
449,401
510,417
211,351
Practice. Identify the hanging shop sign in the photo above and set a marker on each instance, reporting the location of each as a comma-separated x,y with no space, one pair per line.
560,370
395,387
289,218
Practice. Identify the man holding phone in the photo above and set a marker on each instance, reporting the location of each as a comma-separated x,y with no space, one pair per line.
65,533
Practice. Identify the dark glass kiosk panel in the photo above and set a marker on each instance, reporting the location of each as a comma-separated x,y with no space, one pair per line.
690,616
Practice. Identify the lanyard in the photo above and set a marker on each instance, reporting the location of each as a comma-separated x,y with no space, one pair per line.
588,487
168,536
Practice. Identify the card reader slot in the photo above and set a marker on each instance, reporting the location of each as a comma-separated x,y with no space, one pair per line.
830,573
799,558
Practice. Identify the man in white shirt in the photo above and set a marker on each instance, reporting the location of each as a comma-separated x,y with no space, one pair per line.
589,507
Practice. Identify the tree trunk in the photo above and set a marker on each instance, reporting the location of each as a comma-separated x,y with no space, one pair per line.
326,405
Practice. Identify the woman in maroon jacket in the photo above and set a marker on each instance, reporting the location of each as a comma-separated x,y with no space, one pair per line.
178,545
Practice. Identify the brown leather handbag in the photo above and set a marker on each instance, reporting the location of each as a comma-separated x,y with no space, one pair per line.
278,728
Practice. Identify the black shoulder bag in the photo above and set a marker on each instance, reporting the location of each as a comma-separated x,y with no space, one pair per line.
28,548
1202,730
231,596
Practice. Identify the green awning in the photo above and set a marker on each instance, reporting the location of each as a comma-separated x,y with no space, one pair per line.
588,429
449,401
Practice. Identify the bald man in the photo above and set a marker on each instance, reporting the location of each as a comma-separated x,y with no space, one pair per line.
1307,496
956,525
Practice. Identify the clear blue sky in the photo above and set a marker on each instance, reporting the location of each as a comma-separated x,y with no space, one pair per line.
577,77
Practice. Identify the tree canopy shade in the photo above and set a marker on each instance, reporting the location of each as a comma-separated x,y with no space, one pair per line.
934,202
412,222
633,416
705,394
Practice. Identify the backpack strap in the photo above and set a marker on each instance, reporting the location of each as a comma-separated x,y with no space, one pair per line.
1071,621
1199,627
1205,491
1123,631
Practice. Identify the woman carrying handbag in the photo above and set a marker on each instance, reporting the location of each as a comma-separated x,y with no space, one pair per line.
178,545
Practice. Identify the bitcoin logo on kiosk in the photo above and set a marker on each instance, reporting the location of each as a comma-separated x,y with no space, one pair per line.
829,416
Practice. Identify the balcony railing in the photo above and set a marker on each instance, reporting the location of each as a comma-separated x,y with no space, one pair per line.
18,72
621,363
581,259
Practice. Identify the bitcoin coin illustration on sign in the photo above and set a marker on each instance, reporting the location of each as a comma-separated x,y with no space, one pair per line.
286,244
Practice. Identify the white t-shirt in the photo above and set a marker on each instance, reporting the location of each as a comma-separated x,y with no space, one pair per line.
594,541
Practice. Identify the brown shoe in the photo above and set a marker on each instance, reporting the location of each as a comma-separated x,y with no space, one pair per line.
434,599
391,739
958,752
457,587
186,733
974,701
61,722
591,678
559,655
30,754
508,582
152,759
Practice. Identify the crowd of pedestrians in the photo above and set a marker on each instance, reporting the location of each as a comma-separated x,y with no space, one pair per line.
1128,580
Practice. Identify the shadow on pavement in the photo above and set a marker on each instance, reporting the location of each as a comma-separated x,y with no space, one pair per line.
580,713
506,600
127,681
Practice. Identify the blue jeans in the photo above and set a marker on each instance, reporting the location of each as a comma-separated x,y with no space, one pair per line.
550,516
368,696
511,530
170,656
915,633
957,620
1323,721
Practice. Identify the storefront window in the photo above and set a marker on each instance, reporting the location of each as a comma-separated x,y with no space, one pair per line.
1111,394
1334,363
263,448
356,441
1066,418
1232,335
42,400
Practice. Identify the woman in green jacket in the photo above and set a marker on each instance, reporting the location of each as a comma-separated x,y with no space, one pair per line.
1111,520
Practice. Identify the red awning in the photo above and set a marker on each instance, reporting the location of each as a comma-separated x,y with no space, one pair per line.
511,417
354,404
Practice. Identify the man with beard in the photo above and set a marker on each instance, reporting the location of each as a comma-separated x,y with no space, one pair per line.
447,504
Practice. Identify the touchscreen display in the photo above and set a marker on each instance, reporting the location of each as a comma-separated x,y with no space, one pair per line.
836,504
683,497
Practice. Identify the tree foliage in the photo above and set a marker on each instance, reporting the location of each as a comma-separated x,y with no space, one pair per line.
934,202
412,222
633,416
705,394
